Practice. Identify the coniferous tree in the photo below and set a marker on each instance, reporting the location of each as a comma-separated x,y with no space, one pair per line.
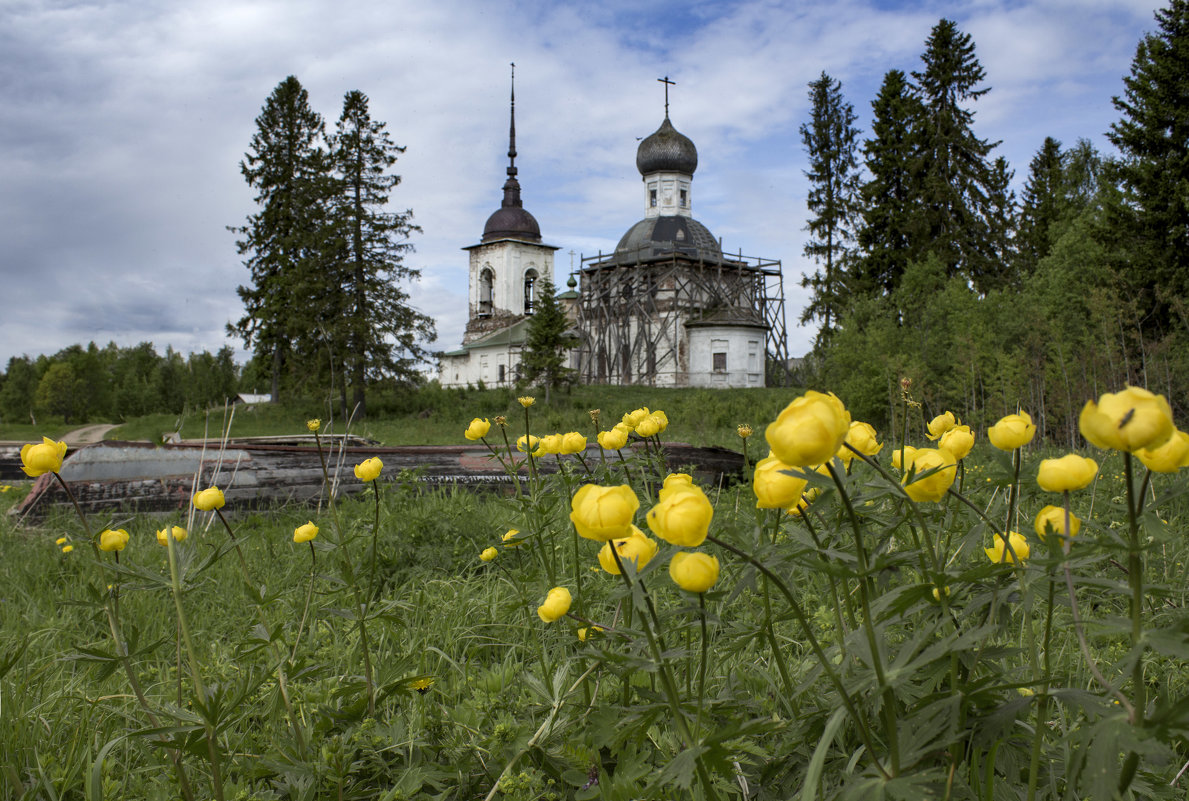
544,358
369,318
888,199
1043,204
1152,220
830,142
285,240
952,175
1001,221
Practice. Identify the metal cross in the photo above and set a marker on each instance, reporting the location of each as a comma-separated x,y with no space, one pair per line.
665,80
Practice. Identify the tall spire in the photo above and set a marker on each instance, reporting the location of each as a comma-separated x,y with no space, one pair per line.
512,186
665,80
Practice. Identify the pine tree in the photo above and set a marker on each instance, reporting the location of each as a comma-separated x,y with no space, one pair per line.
952,174
284,240
544,358
830,142
1001,220
369,319
888,200
1153,138
1043,204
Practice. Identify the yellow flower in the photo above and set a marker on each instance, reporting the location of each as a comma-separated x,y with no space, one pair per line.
1070,472
682,517
113,540
661,418
179,535
613,440
1169,457
488,554
940,424
1000,554
209,499
584,633
774,487
369,469
305,533
1131,421
527,401
557,603
810,430
500,420
60,541
932,487
939,591
862,437
528,442
675,482
477,429
603,513
909,454
632,419
693,572
1011,432
573,442
314,425
421,685
958,441
637,548
44,458
648,427
1052,518
551,444
744,431
67,548
509,539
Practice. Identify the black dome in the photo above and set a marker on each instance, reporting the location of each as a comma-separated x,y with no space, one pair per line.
666,150
511,222
660,236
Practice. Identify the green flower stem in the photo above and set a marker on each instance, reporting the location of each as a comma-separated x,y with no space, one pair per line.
838,619
889,697
513,470
702,665
528,448
627,474
823,660
770,630
1042,704
195,673
305,609
113,622
1135,577
1013,495
671,692
282,679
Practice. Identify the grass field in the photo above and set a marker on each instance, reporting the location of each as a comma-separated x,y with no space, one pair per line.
867,648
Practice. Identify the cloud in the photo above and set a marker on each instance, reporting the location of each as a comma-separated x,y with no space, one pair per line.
122,126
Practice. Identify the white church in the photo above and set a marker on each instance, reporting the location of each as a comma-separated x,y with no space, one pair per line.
666,308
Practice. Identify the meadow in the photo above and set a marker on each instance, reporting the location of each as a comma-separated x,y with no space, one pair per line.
889,625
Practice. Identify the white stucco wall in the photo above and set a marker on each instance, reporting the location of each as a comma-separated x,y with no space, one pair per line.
740,361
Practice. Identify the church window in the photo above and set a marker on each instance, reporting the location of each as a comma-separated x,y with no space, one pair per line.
684,199
718,355
486,282
530,291
652,198
720,362
503,372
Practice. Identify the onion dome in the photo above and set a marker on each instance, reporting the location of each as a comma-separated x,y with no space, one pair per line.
666,150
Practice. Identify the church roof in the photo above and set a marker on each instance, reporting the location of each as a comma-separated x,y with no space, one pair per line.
655,237
511,220
666,150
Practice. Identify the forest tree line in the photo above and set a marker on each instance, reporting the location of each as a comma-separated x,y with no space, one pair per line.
930,267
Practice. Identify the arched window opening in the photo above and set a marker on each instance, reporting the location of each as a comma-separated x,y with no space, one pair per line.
530,291
486,281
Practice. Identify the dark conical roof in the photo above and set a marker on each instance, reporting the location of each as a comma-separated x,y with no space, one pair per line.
666,150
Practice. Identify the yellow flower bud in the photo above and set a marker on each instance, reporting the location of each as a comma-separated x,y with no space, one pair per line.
1052,519
179,534
1169,457
313,425
999,553
773,485
744,431
958,440
573,442
209,499
550,444
862,437
488,554
810,430
682,518
693,571
940,424
369,469
613,440
1012,432
477,429
510,538
1070,472
113,540
1131,421
45,457
603,513
637,548
557,604
930,487
305,533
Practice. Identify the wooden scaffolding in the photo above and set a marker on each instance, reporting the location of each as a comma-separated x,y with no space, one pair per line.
632,311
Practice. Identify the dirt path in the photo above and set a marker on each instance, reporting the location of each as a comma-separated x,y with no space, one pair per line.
87,434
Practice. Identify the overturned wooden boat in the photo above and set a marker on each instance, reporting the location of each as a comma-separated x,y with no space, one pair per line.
118,478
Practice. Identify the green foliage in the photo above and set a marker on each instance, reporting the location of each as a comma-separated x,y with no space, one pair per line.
543,361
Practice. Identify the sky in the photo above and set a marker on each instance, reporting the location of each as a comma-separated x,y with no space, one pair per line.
123,123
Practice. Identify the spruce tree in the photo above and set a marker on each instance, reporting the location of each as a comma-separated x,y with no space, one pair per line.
543,360
885,235
370,321
284,240
830,142
1001,221
1043,203
1152,221
952,175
